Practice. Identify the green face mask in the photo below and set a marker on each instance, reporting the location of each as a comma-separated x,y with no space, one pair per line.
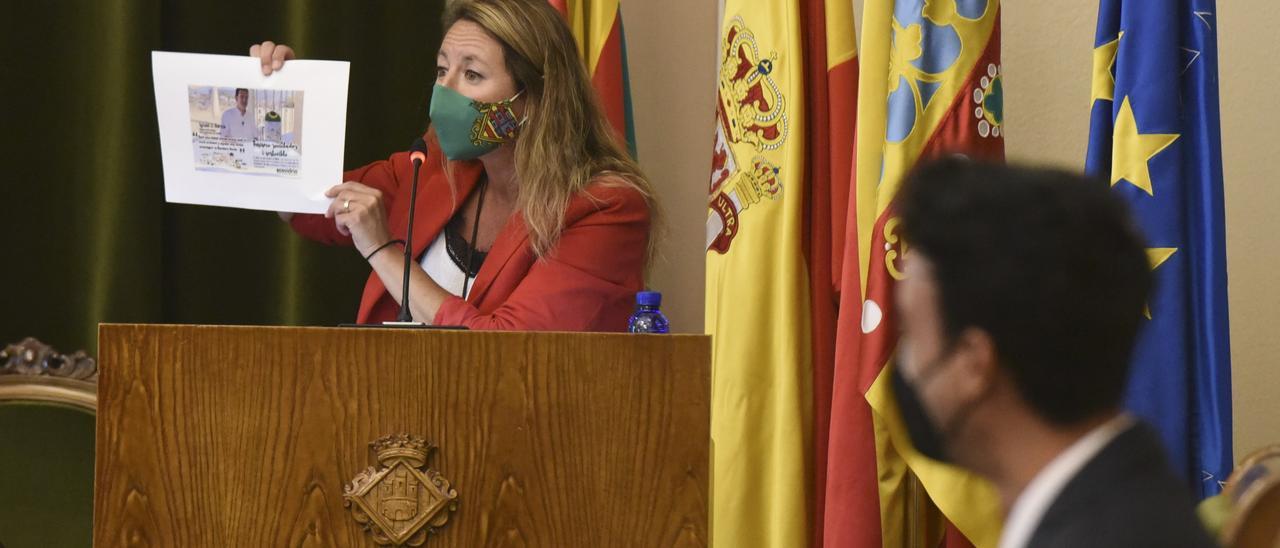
470,129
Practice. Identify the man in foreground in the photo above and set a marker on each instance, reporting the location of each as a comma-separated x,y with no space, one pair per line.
1024,291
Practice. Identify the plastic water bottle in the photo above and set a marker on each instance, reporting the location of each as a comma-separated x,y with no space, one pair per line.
647,318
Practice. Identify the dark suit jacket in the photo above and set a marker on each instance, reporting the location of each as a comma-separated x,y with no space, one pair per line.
1126,496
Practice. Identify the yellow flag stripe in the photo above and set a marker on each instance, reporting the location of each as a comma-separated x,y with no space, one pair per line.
873,88
591,22
841,41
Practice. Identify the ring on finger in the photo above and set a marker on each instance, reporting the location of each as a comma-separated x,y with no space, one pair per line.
346,206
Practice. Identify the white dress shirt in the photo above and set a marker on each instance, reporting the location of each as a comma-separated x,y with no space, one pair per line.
238,125
1029,509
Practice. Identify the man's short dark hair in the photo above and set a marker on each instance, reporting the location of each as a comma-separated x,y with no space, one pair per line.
1047,262
245,90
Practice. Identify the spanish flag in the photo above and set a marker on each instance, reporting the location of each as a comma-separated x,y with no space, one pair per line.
597,26
780,174
930,84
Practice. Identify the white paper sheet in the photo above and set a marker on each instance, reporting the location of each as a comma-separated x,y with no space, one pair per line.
277,149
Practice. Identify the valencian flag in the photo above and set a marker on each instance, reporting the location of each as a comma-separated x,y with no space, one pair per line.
597,26
930,84
780,174
1155,136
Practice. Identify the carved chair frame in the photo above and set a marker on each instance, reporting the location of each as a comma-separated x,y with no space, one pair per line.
31,371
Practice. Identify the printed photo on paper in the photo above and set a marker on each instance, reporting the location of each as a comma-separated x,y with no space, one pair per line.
231,136
241,130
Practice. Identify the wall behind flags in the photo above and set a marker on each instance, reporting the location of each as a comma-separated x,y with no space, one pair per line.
1251,157
671,53
1047,65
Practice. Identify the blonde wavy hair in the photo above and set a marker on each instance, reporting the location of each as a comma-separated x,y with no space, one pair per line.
566,141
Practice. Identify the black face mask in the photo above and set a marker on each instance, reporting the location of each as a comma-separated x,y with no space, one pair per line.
927,437
920,428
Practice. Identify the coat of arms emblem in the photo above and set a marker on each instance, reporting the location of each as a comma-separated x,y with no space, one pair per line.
751,115
497,123
403,502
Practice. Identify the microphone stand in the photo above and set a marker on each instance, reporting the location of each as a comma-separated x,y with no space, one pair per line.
405,319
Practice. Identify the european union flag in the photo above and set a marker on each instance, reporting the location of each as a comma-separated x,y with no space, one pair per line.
1155,135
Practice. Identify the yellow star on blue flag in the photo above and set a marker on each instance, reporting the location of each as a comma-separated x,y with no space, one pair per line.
1156,256
1104,58
1131,150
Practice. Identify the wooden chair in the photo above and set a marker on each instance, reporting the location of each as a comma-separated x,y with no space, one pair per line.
47,405
1253,492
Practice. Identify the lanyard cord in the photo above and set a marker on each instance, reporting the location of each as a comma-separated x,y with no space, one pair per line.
475,231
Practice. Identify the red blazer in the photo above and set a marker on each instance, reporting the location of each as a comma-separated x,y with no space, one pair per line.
587,282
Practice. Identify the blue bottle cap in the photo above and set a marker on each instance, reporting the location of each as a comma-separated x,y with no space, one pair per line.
649,298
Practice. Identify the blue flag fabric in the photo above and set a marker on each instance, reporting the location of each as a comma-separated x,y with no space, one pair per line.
1155,135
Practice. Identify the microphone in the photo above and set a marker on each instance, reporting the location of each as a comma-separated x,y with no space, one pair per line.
417,155
418,152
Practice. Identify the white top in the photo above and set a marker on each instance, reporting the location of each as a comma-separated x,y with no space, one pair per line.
442,269
237,125
1029,509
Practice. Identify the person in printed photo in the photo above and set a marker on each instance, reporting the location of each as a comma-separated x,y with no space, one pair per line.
237,121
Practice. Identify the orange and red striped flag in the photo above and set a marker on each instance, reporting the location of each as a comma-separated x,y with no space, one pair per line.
597,26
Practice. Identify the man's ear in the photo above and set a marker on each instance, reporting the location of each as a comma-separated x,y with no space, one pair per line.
975,355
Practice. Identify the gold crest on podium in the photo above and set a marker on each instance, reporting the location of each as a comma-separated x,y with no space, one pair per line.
404,502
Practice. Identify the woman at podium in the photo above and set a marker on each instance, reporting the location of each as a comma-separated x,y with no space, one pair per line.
530,215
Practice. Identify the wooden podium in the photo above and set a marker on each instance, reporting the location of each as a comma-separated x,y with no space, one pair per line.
263,436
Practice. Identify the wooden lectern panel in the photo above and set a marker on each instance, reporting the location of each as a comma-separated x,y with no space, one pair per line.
246,436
